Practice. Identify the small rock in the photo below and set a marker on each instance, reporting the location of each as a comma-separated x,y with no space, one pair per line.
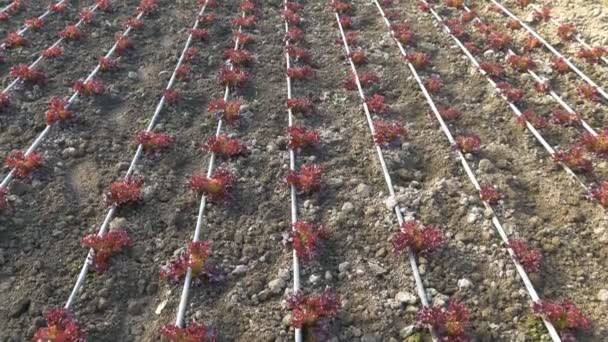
314,279
132,75
19,308
239,269
286,321
69,152
363,190
135,308
381,252
118,223
377,269
406,298
390,202
344,267
472,217
464,283
347,207
486,166
276,286
407,331
603,295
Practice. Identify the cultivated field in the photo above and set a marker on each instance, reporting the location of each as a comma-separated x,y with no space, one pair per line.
336,170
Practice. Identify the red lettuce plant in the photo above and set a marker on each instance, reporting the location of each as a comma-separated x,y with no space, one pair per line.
72,32
574,158
58,111
455,27
366,79
490,194
23,164
171,96
498,40
300,105
28,74
190,54
153,142
89,88
492,69
422,240
523,3
293,6
308,179
58,7
301,72
232,77
238,58
419,60
559,64
424,6
298,53
513,24
483,27
566,31
544,14
123,44
14,40
375,104
454,3
467,17
600,194
247,6
216,188
199,34
196,258
225,147
521,63
87,16
301,137
511,93
588,92
388,134
433,84
207,19
107,64
147,6
294,34
529,257
593,55
359,56
352,38
564,118
105,5
449,113
227,110
183,72
596,144
542,87
105,246
473,49
4,206
451,324
243,38
34,24
124,192
535,120
52,52
291,17
306,239
60,327
403,33
194,332
346,22
339,6
313,312
567,318
133,23
468,143
5,100
245,22
530,43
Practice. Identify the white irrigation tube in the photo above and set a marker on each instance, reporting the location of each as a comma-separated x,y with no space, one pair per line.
138,152
387,177
40,138
513,107
25,28
552,92
40,58
292,167
552,49
577,35
181,310
495,221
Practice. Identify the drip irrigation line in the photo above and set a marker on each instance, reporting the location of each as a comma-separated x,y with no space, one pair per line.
26,28
387,178
552,49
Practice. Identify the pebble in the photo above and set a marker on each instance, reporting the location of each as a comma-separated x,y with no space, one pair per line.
344,267
603,295
239,269
464,283
363,190
276,286
314,279
390,202
347,207
407,331
117,223
472,217
132,75
377,269
406,298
